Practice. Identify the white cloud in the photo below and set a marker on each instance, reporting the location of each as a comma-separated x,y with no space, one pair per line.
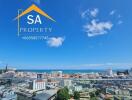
93,26
112,12
97,28
94,12
36,1
88,13
119,65
55,41
104,66
119,16
120,22
85,13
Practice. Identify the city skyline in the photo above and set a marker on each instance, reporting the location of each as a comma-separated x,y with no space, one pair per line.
86,35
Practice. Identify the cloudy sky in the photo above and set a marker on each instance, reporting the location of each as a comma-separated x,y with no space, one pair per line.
87,34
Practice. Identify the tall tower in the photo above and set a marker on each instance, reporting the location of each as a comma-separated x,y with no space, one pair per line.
6,68
110,72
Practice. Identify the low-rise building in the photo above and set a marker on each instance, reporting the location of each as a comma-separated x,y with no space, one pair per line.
77,88
56,74
8,94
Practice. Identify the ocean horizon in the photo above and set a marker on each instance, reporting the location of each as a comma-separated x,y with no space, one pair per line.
68,71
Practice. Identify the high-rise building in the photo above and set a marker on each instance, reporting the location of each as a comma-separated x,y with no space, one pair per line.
110,72
38,84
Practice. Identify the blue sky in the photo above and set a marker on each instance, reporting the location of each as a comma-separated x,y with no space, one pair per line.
87,34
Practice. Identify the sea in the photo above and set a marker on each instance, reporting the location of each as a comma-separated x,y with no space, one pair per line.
67,71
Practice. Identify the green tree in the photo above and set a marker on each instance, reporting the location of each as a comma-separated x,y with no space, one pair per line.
108,99
94,98
63,94
76,95
97,92
92,94
34,94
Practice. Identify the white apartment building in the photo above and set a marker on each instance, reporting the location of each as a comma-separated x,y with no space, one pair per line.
110,72
66,82
77,88
37,85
